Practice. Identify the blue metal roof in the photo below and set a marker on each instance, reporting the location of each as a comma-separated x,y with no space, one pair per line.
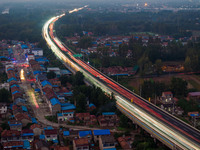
90,105
37,90
45,82
14,124
55,141
26,144
65,104
37,49
19,100
68,113
68,93
55,86
65,71
59,114
27,134
34,120
9,69
24,108
42,60
110,149
42,137
17,146
24,46
84,133
14,85
12,79
49,128
68,107
36,72
66,133
54,101
108,113
101,132
15,92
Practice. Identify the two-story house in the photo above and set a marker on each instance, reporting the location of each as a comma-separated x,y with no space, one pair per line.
107,142
50,134
81,144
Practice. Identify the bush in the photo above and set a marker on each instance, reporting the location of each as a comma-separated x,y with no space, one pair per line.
52,118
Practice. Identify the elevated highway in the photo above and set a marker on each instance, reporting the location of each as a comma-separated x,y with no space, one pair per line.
171,131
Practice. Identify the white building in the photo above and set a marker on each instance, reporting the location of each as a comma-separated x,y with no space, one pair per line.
65,116
37,52
5,86
27,50
8,65
54,69
3,108
31,57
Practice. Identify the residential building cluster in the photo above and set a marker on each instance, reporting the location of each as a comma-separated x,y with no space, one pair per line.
113,42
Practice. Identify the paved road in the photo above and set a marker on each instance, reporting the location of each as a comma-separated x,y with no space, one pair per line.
41,111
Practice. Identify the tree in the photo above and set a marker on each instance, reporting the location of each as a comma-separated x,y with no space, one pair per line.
3,77
78,79
85,42
178,87
51,75
188,106
4,96
124,121
64,79
103,50
123,49
145,65
80,100
187,64
158,65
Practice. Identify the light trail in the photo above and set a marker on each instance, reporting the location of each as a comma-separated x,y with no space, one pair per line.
22,75
34,100
146,114
77,9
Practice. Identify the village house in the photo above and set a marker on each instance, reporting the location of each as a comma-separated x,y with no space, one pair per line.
12,145
64,92
98,133
37,129
27,134
40,145
167,101
15,125
91,107
67,107
55,70
82,117
4,86
194,95
108,119
85,134
55,82
55,106
66,116
3,109
51,134
81,144
107,142
125,142
23,118
10,135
